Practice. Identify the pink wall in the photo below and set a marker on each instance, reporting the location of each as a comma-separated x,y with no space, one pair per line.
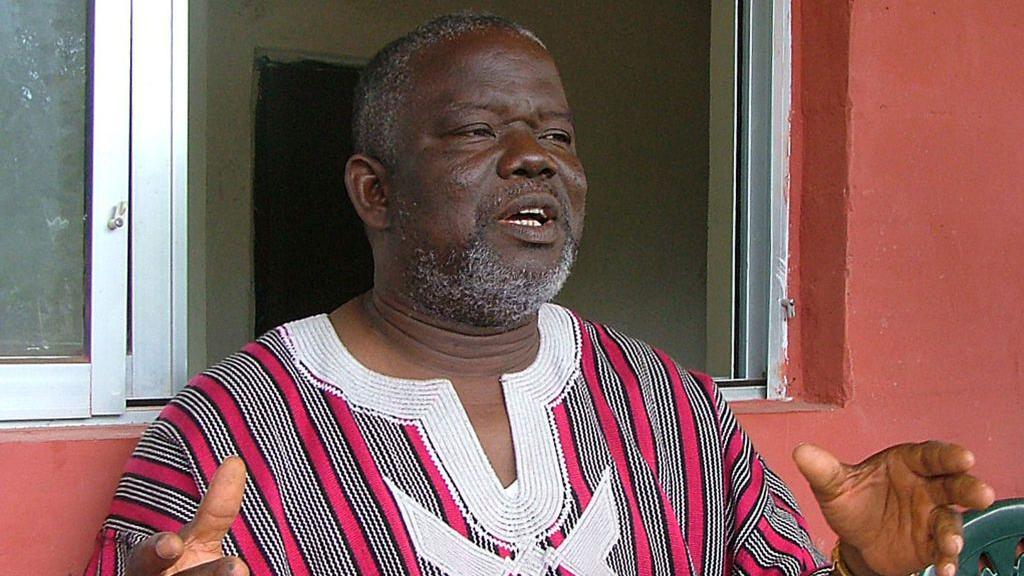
55,488
906,254
908,234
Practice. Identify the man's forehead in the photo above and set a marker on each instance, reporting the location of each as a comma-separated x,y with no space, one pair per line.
493,63
479,48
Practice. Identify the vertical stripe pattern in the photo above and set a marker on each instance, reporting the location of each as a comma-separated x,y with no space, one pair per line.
340,483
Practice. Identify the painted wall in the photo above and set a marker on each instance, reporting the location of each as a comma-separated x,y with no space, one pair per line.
55,490
640,96
907,234
906,246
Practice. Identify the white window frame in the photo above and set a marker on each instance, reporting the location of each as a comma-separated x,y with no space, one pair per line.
158,359
748,197
138,151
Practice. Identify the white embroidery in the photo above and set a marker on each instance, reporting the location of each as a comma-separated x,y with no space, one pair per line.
584,551
537,506
437,543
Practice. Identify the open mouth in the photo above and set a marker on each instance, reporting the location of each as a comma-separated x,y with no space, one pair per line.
532,217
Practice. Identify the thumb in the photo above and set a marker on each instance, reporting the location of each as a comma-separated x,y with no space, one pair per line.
154,554
220,505
823,471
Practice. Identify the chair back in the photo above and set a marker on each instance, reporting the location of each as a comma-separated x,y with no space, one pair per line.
993,541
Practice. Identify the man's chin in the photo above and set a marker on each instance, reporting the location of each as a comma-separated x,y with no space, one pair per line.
492,283
532,259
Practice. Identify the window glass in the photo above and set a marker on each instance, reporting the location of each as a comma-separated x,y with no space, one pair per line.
43,92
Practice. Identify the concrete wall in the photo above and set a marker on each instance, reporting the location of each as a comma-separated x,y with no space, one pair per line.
637,80
55,490
906,235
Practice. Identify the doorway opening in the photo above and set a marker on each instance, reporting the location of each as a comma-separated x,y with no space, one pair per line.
310,253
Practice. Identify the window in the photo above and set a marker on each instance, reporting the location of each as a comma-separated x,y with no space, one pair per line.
747,210
92,186
120,339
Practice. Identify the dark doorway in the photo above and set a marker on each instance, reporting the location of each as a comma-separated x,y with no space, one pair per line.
310,252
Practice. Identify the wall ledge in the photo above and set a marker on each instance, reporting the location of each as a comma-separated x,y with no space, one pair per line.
780,406
71,433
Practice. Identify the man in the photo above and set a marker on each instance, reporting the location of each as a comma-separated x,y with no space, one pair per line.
452,422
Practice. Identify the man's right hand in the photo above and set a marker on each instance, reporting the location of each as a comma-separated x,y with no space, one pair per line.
196,549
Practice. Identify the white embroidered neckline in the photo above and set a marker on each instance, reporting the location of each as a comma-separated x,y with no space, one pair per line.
518,517
584,550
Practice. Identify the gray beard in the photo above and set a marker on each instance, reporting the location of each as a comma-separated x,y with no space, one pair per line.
474,287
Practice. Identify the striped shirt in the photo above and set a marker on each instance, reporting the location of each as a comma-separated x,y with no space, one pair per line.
626,464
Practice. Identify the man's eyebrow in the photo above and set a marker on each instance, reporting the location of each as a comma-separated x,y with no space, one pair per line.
465,106
566,115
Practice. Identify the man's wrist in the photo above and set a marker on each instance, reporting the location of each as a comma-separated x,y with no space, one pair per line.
847,561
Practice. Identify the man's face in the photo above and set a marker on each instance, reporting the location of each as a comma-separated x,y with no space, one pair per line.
488,192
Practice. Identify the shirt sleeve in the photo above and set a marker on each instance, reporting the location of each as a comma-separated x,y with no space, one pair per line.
156,493
768,533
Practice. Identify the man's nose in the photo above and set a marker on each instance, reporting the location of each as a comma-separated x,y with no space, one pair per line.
525,157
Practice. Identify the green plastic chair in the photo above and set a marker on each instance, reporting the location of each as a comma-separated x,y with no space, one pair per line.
992,538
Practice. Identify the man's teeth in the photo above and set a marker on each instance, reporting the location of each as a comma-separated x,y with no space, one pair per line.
522,218
527,222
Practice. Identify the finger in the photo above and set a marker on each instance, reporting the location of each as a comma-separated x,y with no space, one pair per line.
937,458
947,540
230,566
154,554
961,489
220,505
823,471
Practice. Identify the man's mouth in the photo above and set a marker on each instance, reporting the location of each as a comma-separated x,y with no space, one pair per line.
533,217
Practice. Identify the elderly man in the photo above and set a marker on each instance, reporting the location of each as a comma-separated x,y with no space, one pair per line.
451,421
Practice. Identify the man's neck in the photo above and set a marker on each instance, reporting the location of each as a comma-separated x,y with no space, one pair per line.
392,338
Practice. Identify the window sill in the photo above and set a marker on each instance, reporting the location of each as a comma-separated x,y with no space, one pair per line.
129,424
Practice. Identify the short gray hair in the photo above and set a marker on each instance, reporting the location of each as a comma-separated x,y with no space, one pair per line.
383,84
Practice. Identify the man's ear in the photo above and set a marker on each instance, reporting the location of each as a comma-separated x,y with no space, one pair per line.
366,182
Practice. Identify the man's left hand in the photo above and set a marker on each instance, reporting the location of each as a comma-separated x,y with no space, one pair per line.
896,512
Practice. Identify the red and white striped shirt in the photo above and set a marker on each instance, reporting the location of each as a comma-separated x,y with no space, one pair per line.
626,465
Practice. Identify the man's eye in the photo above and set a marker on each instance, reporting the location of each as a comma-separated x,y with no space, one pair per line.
478,131
558,136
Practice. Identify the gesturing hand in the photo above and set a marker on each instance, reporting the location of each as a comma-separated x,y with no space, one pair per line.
196,549
894,512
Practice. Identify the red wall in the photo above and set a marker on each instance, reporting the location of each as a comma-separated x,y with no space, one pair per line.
907,235
55,488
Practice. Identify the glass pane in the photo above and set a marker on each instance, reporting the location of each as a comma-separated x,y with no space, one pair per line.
43,74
